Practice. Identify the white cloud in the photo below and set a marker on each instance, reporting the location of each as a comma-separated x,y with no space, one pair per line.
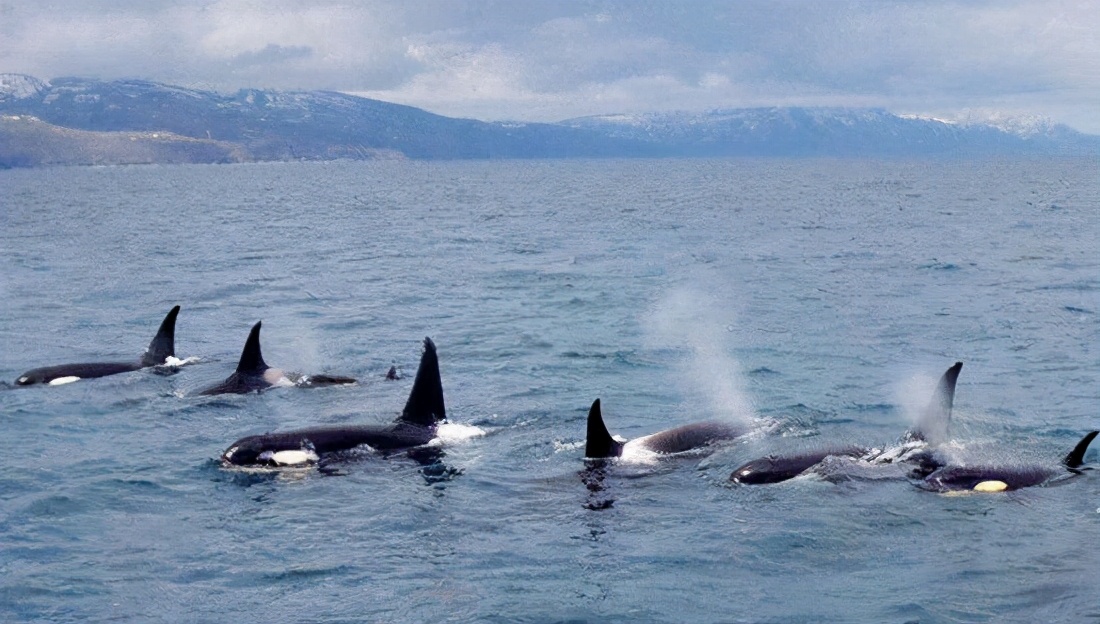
548,61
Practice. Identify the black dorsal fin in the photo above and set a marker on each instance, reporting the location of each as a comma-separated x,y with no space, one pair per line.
1076,457
936,418
600,443
252,361
425,406
163,345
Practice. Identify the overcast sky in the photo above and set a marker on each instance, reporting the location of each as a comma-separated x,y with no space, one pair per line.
547,61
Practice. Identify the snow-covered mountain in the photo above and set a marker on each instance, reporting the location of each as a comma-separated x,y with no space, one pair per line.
274,125
19,86
833,132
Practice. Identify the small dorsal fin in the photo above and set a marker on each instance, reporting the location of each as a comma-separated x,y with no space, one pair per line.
252,361
163,344
1076,457
599,442
425,406
935,419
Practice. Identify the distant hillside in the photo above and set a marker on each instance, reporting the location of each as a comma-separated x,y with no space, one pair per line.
832,132
80,121
27,142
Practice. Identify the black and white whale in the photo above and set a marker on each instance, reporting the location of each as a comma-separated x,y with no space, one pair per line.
600,444
1009,477
932,425
162,347
254,375
417,425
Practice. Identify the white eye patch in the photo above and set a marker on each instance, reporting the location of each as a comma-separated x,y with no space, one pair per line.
63,380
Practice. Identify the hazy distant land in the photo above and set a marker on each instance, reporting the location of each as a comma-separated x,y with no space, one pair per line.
75,121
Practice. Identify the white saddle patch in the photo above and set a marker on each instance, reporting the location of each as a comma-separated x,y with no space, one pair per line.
60,381
636,452
276,377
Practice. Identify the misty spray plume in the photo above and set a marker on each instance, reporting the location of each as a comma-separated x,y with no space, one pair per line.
689,318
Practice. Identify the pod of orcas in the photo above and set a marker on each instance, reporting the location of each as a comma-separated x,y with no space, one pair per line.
425,410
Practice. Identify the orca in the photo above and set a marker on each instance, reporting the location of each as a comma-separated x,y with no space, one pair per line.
600,445
254,375
416,426
777,468
931,426
160,349
1005,478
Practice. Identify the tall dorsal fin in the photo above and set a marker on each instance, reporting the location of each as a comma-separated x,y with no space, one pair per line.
933,422
252,361
600,443
1076,457
425,406
163,345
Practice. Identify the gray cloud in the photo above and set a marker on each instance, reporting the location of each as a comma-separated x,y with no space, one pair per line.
272,54
546,61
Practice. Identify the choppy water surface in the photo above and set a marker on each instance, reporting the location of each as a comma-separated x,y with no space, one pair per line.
814,300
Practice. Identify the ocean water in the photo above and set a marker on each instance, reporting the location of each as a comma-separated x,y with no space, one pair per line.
814,301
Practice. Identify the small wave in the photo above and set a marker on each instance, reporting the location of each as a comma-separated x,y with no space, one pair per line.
560,446
764,370
1077,310
941,266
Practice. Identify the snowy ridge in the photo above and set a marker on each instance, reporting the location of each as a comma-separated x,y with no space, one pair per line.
20,86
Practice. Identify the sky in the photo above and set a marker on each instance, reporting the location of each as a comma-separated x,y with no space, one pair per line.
549,61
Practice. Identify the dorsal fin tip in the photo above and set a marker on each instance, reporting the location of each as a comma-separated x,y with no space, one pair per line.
426,406
935,420
163,344
252,359
598,442
1076,457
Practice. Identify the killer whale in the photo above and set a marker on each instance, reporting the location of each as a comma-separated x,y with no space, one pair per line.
1006,478
931,426
254,375
162,347
777,468
424,411
599,444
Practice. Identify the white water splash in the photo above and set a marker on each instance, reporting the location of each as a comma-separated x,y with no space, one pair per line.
449,433
174,362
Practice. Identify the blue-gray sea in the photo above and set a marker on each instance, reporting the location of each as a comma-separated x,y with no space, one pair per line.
814,301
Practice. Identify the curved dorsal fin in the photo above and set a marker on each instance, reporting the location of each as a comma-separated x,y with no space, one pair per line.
163,344
252,361
933,422
1076,457
600,443
425,406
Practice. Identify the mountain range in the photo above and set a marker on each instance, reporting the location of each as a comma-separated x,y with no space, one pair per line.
70,121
